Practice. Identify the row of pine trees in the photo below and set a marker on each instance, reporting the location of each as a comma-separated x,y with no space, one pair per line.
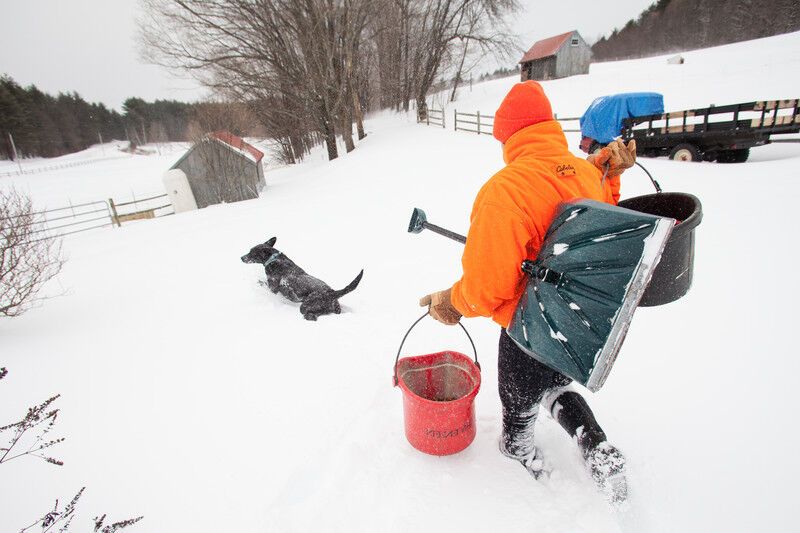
43,125
678,25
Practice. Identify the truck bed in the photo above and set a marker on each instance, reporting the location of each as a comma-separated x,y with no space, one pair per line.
714,129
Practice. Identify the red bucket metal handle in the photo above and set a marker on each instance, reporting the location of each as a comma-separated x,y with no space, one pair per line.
417,321
607,167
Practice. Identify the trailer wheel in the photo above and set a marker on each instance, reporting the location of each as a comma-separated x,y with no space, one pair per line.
726,156
685,152
734,156
741,155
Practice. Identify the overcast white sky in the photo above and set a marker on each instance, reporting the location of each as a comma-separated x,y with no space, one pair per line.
89,46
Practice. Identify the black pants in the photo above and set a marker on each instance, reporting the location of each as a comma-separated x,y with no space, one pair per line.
523,382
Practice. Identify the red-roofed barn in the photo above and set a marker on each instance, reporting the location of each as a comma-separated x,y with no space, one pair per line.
556,57
220,168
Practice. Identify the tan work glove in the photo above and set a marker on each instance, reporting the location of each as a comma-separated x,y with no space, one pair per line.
440,308
616,155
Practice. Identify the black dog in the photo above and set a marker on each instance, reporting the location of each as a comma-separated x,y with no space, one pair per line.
316,298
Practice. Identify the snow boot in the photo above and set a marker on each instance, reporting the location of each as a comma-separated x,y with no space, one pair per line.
605,462
606,465
532,461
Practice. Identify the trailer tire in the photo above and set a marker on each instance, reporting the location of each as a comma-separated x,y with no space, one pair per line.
741,155
734,156
685,152
725,156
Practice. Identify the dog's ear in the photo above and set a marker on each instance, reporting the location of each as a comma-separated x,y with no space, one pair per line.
271,242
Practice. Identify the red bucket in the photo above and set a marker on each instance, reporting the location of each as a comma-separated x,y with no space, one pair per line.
439,391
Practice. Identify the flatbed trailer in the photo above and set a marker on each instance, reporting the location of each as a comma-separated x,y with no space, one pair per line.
715,133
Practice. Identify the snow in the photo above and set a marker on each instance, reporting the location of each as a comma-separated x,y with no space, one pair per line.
105,172
193,396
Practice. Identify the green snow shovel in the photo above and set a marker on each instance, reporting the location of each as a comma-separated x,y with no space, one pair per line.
585,284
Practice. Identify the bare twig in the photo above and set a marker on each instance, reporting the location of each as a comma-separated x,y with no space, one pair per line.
40,417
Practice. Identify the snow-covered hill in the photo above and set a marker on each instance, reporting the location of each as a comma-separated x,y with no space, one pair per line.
194,397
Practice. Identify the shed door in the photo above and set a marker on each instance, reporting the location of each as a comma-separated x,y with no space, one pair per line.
549,68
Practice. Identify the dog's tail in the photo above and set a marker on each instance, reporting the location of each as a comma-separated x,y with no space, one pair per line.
349,288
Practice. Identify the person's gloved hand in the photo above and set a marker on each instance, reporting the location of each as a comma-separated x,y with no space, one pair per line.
440,308
616,155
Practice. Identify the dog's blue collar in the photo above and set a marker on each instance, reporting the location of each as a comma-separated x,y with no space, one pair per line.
272,258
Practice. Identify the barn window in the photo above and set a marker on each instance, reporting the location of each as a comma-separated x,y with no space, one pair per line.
574,41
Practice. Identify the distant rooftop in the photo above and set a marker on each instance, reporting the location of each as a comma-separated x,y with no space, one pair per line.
546,47
238,143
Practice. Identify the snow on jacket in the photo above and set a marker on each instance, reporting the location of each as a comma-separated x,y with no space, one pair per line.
511,215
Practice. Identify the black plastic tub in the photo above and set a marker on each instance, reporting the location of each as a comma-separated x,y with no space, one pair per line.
672,277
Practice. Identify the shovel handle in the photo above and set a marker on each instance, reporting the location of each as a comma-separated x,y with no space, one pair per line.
417,321
445,232
420,222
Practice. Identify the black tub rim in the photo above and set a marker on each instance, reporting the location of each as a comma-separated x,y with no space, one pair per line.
687,224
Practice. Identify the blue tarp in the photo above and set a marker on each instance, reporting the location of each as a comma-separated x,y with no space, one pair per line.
603,120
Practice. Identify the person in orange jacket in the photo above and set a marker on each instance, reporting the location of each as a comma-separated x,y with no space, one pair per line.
509,219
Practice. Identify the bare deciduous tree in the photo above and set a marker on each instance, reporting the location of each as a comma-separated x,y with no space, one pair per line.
294,59
212,116
306,65
420,40
28,259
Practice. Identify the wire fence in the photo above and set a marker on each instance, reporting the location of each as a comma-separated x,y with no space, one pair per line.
35,170
482,124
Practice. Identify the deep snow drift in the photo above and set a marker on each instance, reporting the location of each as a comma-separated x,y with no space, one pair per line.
196,398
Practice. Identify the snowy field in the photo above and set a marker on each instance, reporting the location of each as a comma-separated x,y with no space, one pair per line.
196,398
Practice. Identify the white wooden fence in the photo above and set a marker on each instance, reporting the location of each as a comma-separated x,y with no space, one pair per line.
481,123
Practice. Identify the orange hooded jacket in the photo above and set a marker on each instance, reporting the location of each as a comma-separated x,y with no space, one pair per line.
511,215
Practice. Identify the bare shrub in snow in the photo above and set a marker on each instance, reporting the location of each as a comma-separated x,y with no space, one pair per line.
27,258
61,519
54,518
37,424
39,421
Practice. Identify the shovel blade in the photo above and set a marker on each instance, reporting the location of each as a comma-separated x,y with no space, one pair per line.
418,219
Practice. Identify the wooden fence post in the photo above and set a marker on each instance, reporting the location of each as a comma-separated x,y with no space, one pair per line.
478,114
114,216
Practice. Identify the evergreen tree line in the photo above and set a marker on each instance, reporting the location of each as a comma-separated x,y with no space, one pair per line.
48,126
677,25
